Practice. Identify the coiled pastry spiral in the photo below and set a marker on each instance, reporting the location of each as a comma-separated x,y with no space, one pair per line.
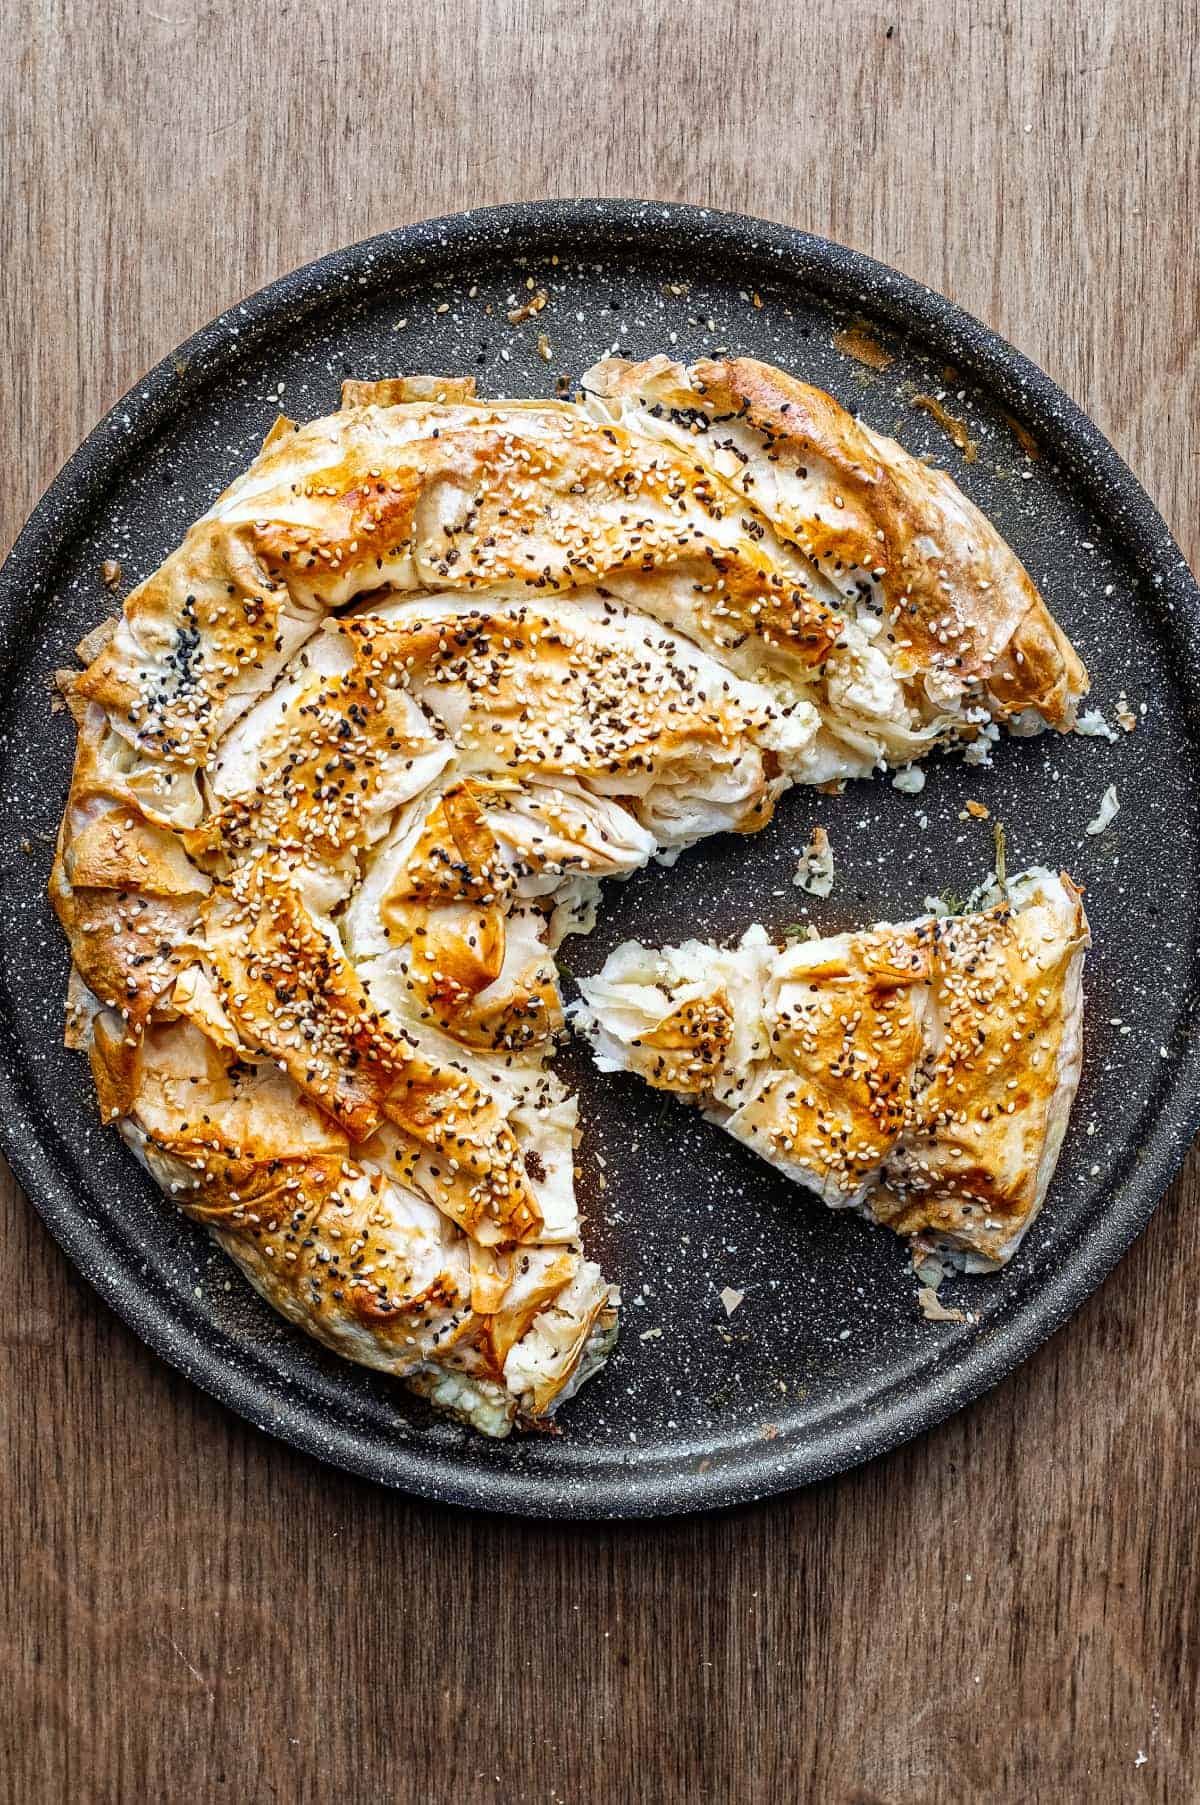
354,759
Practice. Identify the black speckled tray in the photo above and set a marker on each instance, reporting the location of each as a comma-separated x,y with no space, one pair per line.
828,1361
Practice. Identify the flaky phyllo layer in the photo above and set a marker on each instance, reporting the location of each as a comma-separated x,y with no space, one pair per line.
920,1073
352,762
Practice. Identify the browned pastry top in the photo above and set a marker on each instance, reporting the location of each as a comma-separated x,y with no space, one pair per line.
352,761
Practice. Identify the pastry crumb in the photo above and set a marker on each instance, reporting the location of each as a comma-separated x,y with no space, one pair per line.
934,1310
528,308
1024,438
950,424
816,870
1106,813
857,342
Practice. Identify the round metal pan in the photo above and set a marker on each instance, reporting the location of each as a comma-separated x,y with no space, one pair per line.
828,1360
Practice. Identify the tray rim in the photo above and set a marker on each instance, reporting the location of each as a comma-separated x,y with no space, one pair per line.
41,1161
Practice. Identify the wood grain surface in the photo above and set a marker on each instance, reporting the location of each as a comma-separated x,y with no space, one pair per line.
1006,1610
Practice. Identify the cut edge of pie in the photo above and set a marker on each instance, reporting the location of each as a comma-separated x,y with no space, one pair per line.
920,1073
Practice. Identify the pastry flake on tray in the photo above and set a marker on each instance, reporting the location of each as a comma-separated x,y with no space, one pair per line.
353,760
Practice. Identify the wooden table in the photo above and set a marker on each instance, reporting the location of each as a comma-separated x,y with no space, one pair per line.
1006,1610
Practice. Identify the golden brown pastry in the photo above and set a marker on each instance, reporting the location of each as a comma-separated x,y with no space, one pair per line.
354,759
922,1074
904,555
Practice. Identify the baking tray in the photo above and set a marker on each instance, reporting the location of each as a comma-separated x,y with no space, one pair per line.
828,1360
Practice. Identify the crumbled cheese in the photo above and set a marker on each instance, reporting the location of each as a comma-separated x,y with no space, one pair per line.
979,752
1093,725
911,781
732,1299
